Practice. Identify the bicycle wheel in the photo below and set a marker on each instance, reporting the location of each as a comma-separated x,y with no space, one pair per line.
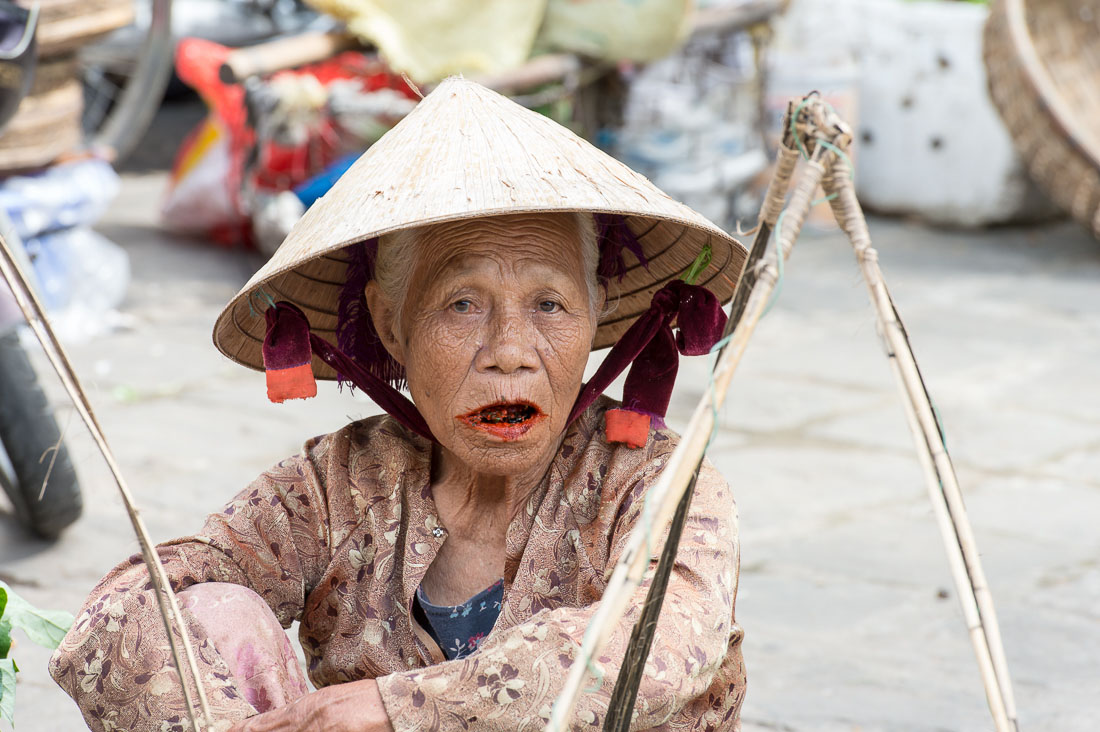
43,487
124,75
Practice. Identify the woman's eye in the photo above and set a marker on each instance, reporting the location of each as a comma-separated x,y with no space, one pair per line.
461,306
549,306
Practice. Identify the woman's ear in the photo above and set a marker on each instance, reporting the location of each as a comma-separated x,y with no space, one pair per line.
382,314
601,303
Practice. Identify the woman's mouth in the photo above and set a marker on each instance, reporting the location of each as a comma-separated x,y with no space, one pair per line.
505,420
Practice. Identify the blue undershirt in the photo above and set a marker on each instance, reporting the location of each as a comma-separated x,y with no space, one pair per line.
459,629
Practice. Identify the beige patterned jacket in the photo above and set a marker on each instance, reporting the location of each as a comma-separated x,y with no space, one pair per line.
341,536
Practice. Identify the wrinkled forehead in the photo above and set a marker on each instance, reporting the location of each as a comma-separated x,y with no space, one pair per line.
545,240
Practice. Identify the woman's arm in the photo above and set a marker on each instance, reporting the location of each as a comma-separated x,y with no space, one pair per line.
355,706
115,661
512,680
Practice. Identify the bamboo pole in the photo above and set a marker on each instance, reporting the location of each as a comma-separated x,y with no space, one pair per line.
166,599
621,705
943,486
675,478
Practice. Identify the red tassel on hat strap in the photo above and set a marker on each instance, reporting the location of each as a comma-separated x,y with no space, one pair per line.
287,354
626,426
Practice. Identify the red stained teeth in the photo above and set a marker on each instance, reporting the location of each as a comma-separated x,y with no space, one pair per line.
503,414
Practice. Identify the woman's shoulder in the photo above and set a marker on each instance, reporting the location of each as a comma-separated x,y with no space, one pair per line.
591,463
367,461
588,438
376,438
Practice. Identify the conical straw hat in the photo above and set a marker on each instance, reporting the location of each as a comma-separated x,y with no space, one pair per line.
466,152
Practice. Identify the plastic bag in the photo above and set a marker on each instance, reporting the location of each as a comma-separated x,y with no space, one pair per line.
616,30
66,195
432,39
200,200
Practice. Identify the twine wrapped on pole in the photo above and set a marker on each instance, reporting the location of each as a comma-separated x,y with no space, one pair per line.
166,599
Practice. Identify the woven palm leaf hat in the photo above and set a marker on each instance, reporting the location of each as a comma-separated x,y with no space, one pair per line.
466,152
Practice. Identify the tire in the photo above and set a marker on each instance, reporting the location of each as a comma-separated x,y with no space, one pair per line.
28,433
132,95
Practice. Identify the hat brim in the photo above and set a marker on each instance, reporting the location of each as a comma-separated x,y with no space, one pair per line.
670,247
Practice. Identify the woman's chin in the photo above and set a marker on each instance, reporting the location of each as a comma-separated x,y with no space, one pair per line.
505,450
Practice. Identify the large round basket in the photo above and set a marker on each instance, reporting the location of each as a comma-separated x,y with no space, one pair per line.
1043,59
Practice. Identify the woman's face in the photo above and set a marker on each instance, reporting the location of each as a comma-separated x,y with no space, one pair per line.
494,336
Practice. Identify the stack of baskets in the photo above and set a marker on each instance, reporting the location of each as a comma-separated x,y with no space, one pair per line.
48,122
1043,59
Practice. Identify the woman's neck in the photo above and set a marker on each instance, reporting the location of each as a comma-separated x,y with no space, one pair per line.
464,496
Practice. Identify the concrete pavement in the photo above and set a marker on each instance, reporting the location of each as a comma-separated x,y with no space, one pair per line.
848,605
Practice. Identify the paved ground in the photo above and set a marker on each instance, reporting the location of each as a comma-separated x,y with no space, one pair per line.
846,598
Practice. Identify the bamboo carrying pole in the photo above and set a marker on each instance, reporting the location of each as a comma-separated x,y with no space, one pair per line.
822,137
166,599
943,485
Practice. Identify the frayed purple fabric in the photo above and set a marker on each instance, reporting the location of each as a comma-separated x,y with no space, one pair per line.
286,342
289,334
653,350
614,236
355,333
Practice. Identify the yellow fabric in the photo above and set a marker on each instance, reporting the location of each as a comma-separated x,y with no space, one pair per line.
616,30
432,39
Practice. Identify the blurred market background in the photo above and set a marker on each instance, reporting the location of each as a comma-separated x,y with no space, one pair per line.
153,165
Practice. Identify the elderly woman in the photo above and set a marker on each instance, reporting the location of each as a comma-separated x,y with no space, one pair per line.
444,560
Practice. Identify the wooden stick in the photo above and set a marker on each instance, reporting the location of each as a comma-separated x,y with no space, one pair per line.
166,599
943,486
266,58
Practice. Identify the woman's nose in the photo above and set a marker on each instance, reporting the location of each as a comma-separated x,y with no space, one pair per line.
509,345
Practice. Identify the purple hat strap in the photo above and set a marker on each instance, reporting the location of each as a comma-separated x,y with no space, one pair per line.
650,346
381,392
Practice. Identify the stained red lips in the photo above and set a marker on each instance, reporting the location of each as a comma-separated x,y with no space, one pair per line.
505,420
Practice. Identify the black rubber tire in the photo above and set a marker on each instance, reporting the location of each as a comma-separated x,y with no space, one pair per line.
28,430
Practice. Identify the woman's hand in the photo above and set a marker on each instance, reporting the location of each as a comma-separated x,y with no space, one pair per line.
355,707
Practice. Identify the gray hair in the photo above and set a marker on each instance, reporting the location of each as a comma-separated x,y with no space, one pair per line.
397,252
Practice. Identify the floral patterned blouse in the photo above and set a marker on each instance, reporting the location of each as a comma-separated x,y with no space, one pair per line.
340,538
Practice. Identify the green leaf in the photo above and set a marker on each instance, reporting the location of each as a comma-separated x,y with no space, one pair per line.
7,690
3,598
5,637
44,627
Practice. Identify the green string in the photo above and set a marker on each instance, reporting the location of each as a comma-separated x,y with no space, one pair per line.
714,350
843,156
778,265
794,120
260,291
701,263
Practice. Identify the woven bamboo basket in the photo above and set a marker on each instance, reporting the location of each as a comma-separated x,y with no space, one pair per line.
48,121
1043,60
68,24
